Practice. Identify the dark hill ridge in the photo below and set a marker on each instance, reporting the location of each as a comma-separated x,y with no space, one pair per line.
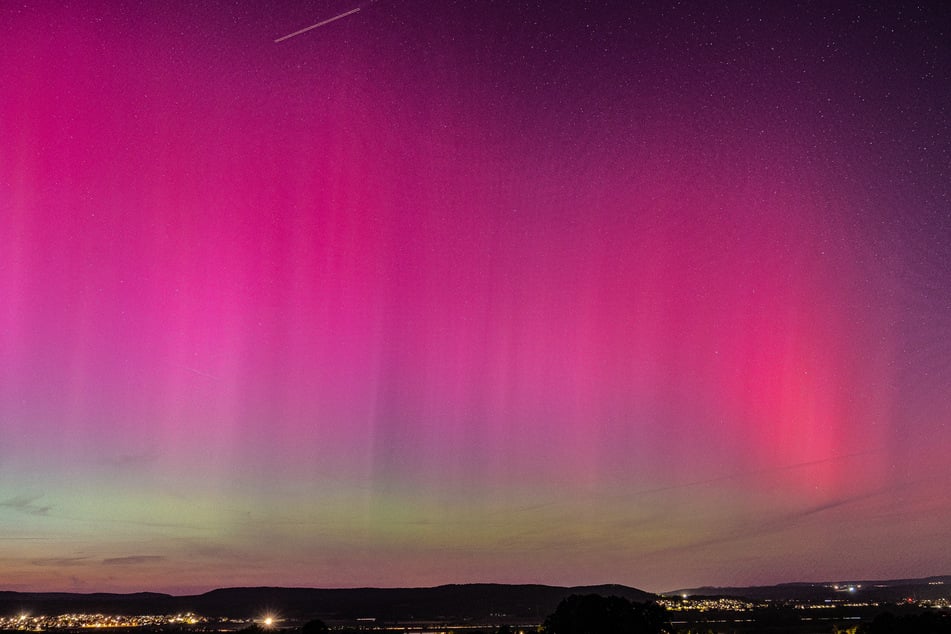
890,591
463,602
450,602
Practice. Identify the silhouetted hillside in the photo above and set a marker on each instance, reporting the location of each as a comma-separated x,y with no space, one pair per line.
893,590
475,602
451,602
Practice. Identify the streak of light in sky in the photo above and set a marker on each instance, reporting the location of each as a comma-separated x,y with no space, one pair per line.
314,26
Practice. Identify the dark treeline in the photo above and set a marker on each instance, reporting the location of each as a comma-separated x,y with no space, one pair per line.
921,623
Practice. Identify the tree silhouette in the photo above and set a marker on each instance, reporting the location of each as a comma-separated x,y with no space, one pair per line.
923,623
315,626
594,614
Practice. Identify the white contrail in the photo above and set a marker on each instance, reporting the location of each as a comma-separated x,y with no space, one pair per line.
314,26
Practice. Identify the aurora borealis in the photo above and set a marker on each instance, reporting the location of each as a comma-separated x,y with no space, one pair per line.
594,292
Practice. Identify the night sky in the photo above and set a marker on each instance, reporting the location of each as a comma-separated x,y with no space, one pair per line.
590,292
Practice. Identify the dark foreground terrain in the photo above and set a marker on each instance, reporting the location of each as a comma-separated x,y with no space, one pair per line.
804,608
450,603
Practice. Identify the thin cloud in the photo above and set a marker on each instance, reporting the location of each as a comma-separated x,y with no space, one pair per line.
61,562
754,472
26,504
133,560
772,525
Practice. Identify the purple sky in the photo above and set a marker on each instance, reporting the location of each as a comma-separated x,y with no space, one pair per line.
441,292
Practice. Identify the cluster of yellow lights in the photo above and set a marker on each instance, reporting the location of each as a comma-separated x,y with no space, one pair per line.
25,622
704,605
